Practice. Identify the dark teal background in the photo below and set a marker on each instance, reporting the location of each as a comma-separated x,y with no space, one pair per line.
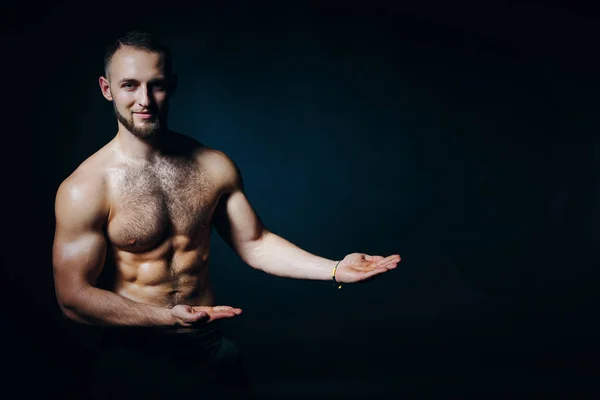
462,137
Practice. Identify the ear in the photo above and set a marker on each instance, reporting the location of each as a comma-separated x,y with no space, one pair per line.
105,88
173,84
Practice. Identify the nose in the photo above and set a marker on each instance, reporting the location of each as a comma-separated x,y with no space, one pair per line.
143,96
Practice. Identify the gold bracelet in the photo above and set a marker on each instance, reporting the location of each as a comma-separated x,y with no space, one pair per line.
336,283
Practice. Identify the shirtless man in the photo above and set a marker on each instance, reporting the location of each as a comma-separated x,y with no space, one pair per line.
133,224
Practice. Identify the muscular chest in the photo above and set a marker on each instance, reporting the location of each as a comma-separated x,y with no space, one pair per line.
154,202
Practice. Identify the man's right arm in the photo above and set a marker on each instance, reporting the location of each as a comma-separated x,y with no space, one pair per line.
78,254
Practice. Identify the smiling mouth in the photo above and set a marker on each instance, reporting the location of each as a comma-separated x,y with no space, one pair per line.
144,115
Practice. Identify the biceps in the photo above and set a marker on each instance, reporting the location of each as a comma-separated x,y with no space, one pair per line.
237,221
77,262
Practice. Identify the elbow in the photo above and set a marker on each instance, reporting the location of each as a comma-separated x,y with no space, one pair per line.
69,304
69,313
72,314
253,251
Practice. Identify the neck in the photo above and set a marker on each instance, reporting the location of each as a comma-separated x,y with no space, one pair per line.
134,147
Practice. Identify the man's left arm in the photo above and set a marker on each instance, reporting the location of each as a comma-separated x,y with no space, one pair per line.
239,225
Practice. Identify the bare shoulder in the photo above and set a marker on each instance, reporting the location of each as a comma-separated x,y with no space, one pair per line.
220,166
83,194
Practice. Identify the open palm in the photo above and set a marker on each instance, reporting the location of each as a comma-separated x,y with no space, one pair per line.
356,267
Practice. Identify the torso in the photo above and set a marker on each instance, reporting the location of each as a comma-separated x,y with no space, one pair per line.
159,226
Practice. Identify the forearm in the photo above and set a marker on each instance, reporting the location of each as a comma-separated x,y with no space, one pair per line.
277,256
93,306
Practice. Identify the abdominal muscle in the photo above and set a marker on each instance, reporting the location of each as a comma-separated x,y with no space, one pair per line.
165,276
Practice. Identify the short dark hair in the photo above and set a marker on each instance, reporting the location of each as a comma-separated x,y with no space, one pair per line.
143,41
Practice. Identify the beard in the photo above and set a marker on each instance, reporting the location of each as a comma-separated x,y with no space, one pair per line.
146,130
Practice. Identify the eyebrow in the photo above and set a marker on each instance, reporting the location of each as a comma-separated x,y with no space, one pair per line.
153,80
127,80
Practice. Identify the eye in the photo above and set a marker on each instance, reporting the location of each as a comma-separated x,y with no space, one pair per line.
128,85
158,86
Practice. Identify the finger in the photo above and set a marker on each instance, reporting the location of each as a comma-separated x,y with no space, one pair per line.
210,317
221,315
227,308
214,309
393,258
222,308
388,265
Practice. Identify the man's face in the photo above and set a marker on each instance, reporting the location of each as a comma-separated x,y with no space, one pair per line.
137,86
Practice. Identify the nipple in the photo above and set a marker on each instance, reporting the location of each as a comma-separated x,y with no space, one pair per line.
132,241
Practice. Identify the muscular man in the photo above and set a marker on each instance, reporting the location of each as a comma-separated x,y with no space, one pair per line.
131,246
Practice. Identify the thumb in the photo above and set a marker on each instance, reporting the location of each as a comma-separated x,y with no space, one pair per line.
198,315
